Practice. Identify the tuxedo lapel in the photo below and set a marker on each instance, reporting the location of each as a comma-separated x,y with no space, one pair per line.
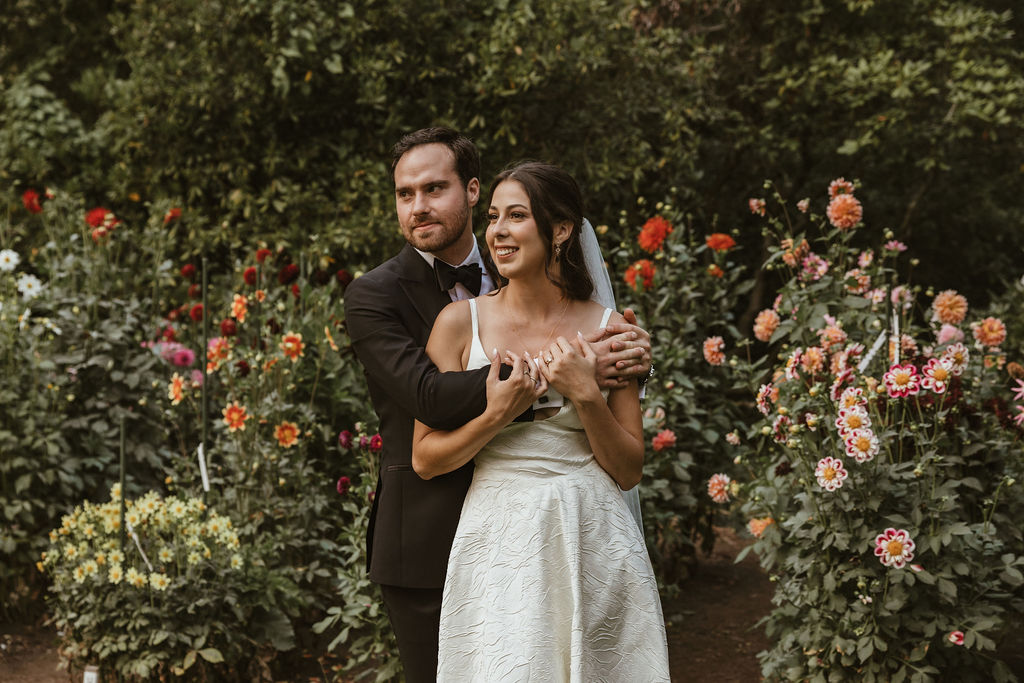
417,281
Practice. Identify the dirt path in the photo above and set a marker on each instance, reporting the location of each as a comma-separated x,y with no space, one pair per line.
709,633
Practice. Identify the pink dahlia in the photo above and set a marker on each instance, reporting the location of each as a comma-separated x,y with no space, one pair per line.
851,398
666,438
948,333
861,445
936,375
902,381
852,419
839,186
766,396
959,355
814,268
830,473
718,488
713,350
894,547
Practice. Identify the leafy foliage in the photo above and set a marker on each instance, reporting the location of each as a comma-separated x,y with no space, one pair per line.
846,459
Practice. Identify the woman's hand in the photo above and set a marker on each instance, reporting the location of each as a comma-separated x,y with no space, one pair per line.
569,368
506,399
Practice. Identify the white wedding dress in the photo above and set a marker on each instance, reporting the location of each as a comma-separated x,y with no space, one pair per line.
549,578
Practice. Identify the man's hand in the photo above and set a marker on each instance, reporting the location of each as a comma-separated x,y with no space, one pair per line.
623,352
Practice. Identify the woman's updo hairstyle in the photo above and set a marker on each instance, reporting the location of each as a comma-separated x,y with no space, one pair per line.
554,198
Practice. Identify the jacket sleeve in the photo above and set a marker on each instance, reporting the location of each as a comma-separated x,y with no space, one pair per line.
395,362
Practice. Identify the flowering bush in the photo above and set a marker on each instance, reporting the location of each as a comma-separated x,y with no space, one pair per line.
279,376
172,595
685,286
886,463
92,339
359,621
70,371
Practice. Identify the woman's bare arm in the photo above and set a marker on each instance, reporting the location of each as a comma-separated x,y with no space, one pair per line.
436,452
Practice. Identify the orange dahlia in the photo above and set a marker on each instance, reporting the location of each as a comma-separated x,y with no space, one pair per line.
844,211
642,269
719,241
176,389
765,324
235,417
239,307
287,434
990,332
653,234
292,345
713,350
218,350
949,307
718,487
758,525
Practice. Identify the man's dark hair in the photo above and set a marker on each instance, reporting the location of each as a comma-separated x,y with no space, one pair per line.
554,197
467,158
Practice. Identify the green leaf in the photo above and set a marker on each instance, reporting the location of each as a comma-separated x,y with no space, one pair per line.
212,655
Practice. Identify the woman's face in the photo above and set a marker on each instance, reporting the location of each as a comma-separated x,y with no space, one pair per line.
513,238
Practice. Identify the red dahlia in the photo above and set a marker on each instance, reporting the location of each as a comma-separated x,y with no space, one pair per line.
288,274
30,199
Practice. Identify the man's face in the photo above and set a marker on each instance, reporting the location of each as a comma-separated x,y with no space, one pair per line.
434,208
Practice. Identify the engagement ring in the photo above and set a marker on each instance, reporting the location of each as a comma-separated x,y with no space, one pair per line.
548,359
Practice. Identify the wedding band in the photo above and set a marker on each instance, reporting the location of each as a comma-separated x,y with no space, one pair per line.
526,371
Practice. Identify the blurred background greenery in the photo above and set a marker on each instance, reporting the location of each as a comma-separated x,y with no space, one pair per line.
274,117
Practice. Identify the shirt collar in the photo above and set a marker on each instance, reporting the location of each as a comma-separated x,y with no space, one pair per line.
474,257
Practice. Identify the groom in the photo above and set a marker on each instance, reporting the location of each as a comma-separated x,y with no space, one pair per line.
389,313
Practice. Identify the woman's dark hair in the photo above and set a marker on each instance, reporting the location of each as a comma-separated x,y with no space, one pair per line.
467,157
554,197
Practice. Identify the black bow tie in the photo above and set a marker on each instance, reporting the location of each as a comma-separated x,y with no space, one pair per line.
469,275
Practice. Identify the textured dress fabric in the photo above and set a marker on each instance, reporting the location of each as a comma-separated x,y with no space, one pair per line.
549,578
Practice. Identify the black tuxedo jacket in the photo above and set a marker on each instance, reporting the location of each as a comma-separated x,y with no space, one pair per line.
389,313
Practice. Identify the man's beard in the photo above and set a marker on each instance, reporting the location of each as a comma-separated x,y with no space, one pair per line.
451,232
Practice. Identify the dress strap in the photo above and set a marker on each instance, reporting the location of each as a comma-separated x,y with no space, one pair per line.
604,319
476,320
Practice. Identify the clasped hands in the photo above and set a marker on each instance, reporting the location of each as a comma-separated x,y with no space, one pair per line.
611,357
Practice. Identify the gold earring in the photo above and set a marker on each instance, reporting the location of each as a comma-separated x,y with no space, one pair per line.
558,251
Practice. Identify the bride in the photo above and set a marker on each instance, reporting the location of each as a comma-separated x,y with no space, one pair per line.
548,577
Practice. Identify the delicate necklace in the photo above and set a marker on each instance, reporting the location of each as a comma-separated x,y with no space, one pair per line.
543,346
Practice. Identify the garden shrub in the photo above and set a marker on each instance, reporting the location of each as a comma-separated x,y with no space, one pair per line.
685,286
883,481
70,313
180,596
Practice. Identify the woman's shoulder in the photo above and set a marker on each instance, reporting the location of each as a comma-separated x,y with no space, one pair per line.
455,316
593,313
